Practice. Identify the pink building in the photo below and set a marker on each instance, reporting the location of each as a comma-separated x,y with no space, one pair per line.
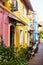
4,22
5,18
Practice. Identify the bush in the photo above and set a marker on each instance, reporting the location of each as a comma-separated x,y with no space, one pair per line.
7,55
11,55
25,53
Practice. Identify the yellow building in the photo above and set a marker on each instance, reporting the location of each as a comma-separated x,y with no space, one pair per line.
18,26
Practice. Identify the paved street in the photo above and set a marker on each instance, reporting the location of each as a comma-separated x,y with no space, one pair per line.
38,58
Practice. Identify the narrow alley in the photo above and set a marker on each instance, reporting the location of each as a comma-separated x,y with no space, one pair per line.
38,58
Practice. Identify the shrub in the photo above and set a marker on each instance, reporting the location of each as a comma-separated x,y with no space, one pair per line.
11,55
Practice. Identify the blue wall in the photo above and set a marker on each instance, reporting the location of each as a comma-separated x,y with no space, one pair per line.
35,27
35,30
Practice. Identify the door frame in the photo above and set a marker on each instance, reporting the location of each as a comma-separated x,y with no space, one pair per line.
11,24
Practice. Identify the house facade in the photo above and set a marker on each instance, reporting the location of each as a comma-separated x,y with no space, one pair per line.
14,22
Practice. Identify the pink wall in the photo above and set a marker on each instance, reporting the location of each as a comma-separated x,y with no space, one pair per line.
1,19
4,22
5,27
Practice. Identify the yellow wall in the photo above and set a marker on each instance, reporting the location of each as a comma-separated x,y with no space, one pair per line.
25,19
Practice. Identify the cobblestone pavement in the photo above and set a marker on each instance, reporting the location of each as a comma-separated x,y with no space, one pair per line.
38,58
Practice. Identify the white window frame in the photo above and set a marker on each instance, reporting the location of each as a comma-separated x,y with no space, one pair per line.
18,4
14,3
21,36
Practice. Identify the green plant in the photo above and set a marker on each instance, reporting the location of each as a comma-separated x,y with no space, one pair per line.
9,56
13,56
25,53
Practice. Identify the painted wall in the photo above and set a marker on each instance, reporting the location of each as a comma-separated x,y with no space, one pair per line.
4,27
35,27
20,10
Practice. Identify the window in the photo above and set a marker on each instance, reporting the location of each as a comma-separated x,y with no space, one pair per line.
25,36
28,36
24,11
21,36
14,5
18,4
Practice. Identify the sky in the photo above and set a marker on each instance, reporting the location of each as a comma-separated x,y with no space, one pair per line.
38,7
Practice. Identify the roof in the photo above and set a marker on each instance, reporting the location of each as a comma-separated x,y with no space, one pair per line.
28,3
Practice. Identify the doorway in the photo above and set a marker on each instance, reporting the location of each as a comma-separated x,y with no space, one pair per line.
11,35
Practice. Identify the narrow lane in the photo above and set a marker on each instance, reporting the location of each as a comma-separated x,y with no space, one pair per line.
38,58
